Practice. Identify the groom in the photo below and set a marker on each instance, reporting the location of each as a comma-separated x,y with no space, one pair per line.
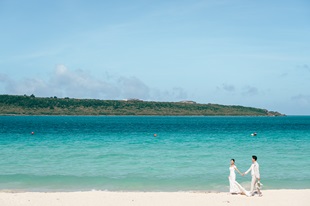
254,172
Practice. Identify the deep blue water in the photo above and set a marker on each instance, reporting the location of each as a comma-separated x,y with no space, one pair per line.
121,153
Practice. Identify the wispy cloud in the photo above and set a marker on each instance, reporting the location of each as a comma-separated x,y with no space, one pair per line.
132,87
250,91
226,87
284,74
229,87
303,100
176,93
304,67
179,93
80,84
3,78
243,91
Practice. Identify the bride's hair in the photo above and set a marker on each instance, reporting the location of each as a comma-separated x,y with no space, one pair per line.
233,160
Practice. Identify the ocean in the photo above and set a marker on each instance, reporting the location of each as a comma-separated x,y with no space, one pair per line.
122,153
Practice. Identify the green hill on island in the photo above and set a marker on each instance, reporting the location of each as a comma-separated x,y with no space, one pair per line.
31,105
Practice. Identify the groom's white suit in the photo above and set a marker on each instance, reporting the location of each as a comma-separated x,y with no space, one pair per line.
255,175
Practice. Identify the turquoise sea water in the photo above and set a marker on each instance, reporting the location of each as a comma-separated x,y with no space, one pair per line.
122,154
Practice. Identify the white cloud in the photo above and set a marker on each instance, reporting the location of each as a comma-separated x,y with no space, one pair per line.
80,84
132,87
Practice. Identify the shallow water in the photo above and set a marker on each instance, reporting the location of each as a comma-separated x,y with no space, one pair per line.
121,153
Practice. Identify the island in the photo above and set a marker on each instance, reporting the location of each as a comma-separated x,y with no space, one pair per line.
31,105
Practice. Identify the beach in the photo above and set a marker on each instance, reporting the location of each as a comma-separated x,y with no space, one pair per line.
94,198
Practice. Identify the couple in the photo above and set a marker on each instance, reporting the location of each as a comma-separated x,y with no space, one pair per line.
235,187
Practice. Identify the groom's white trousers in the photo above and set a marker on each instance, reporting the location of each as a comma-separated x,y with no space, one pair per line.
254,179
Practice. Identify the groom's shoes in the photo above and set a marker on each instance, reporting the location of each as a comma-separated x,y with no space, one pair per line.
256,192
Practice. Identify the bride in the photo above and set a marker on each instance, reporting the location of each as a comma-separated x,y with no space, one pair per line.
234,186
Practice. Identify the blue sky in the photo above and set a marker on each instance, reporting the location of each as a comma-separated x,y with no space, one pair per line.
250,53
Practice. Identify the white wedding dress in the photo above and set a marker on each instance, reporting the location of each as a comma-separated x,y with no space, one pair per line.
234,186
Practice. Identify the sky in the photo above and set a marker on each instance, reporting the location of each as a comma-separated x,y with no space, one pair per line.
241,52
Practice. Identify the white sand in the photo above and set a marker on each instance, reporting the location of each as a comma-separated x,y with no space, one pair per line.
94,198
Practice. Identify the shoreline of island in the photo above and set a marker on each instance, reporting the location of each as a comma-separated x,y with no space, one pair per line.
46,106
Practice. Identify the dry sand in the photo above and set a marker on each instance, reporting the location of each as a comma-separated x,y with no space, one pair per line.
96,198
